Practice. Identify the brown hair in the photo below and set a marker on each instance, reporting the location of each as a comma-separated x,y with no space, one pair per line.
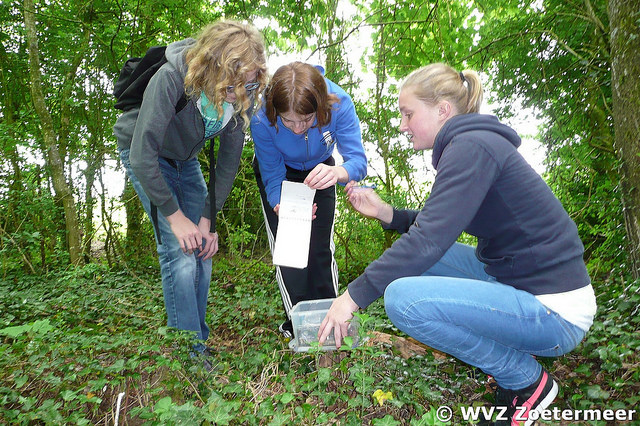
438,81
301,89
223,54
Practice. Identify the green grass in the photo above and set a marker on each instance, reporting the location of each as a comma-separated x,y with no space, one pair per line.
74,343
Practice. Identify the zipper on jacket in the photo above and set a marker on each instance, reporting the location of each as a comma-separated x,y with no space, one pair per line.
306,141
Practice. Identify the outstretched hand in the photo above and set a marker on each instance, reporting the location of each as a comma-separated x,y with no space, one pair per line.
324,176
368,203
339,313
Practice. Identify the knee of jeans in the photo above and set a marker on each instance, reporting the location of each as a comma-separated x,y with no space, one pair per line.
178,260
394,303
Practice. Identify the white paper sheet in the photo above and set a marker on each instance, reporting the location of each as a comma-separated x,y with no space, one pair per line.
294,225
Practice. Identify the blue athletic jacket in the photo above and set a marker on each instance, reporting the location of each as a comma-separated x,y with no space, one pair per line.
275,149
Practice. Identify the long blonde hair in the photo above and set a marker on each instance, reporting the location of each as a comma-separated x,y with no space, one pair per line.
223,54
436,82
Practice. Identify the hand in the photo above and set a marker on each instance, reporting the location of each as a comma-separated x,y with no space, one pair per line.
323,176
368,203
210,239
339,313
187,233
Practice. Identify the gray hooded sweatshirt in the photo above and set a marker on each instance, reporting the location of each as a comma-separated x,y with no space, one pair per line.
484,187
155,130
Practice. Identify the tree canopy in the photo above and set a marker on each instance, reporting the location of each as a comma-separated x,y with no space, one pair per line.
554,57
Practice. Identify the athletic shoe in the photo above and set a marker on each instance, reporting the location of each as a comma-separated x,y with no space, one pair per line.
203,359
521,403
207,364
286,328
209,351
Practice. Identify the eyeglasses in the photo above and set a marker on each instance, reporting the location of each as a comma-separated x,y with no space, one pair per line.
249,87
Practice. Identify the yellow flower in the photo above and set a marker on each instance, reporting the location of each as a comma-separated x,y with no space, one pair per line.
382,396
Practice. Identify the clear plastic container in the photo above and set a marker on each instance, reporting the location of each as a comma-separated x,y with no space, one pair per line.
306,318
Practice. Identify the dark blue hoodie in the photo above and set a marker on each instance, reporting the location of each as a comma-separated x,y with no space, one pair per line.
485,187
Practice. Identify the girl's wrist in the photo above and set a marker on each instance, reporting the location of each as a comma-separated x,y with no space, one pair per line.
342,174
385,214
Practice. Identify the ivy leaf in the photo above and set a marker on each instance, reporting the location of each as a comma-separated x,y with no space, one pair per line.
68,395
596,392
324,375
287,397
387,420
163,405
20,381
40,327
14,331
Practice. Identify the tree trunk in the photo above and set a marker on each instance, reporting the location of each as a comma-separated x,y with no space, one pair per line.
89,204
625,69
54,161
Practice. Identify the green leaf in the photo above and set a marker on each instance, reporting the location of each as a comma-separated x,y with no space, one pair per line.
324,375
15,331
68,395
387,420
220,415
163,405
347,343
584,369
280,419
117,366
596,392
20,381
218,410
39,327
287,397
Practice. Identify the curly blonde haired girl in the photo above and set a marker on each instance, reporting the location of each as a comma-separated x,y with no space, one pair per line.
220,73
226,52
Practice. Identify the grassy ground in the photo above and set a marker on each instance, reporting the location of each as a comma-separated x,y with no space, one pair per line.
89,346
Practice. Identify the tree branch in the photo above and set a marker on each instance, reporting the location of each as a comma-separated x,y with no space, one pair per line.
363,23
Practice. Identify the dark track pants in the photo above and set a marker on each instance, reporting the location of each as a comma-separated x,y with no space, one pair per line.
319,280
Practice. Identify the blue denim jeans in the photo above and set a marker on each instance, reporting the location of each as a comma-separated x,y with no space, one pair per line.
185,277
455,307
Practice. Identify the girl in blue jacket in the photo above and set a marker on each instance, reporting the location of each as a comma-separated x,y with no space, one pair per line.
304,118
522,292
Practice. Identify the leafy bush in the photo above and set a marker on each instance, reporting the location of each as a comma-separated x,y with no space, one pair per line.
30,236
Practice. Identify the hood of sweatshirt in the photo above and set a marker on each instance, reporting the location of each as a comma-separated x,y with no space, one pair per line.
175,54
470,123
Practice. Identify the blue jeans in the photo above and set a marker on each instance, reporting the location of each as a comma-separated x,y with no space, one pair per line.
185,277
455,307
